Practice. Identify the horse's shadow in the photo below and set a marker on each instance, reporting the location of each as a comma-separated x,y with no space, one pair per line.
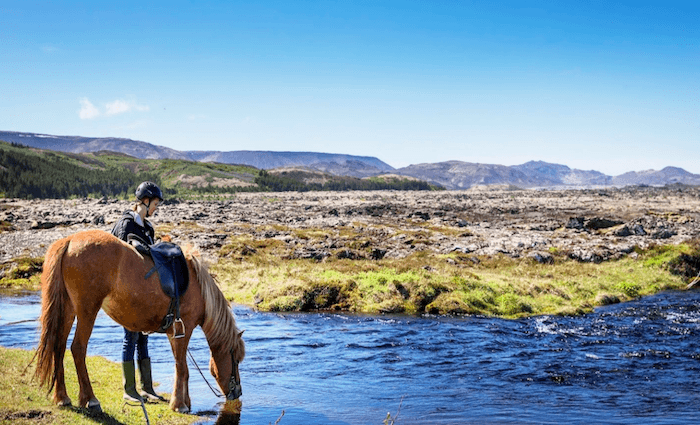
97,417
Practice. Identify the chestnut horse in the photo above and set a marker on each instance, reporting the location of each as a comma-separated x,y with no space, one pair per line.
93,269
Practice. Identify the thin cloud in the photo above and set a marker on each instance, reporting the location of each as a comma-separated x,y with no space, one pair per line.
121,106
88,111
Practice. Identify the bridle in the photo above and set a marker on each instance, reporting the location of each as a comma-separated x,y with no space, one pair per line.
235,390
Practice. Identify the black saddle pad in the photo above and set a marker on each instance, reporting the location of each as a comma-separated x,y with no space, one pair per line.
171,267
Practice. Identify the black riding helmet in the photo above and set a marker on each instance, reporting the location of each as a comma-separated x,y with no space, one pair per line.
148,190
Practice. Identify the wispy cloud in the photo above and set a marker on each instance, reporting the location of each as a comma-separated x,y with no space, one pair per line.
122,106
89,111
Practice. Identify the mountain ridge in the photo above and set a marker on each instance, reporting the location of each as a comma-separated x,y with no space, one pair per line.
454,175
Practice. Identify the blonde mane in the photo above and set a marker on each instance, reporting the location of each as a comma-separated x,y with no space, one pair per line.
219,323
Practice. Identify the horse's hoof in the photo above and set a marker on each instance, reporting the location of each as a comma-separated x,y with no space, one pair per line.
183,409
94,406
64,403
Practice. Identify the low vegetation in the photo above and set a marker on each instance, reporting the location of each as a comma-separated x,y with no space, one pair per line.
262,273
22,273
267,274
24,402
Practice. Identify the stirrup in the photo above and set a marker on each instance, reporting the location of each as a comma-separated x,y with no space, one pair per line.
178,328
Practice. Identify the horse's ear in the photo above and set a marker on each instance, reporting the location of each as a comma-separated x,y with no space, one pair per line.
240,334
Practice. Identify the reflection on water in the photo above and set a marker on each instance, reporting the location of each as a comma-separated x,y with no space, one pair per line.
630,363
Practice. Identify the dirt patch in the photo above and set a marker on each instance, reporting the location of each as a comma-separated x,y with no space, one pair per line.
37,415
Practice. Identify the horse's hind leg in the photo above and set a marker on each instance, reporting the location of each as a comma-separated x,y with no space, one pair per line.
60,396
83,330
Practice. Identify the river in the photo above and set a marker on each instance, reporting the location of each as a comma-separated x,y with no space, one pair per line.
630,363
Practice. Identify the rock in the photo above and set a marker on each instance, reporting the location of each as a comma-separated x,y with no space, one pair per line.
37,225
541,257
663,234
601,223
387,224
622,231
638,230
378,253
575,223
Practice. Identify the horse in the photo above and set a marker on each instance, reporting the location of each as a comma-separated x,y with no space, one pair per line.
93,269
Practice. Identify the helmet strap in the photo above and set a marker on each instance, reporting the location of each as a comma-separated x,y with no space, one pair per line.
148,207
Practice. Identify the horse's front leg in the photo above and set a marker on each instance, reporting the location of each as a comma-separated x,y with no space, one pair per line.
83,330
180,400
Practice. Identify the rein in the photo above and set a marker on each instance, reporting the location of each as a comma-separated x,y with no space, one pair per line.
232,382
216,392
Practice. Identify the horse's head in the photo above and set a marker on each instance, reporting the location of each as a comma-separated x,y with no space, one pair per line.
224,368
224,338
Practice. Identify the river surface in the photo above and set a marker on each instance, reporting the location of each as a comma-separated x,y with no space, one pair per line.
630,363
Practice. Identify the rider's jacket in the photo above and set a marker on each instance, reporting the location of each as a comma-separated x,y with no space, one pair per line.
130,223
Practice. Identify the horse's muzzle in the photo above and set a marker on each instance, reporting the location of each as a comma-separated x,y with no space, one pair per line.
235,392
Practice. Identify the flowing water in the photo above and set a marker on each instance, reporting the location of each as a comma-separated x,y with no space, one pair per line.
630,363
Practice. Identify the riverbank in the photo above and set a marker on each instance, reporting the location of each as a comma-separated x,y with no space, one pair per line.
507,253
24,402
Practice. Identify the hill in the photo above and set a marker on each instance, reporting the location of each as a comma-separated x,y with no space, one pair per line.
78,144
457,175
454,175
668,175
338,164
40,173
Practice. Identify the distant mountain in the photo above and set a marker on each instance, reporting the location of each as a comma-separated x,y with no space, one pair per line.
463,175
338,164
668,175
78,144
453,175
457,175
555,175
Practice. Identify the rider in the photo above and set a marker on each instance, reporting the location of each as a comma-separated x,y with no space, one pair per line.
133,227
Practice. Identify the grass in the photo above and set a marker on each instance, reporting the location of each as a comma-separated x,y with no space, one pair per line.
21,273
252,272
270,274
24,402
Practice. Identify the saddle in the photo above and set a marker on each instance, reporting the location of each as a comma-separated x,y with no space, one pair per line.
171,266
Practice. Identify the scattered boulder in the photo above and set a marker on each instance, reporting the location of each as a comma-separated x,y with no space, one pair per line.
517,223
597,223
541,257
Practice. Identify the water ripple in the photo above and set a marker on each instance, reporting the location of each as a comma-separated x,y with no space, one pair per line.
628,363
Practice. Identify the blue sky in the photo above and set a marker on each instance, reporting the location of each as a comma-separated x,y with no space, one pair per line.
589,84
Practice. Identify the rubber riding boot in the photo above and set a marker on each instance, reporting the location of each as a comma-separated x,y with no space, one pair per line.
130,393
147,381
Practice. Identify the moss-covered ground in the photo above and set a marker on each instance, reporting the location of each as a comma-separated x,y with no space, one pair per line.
254,272
262,273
